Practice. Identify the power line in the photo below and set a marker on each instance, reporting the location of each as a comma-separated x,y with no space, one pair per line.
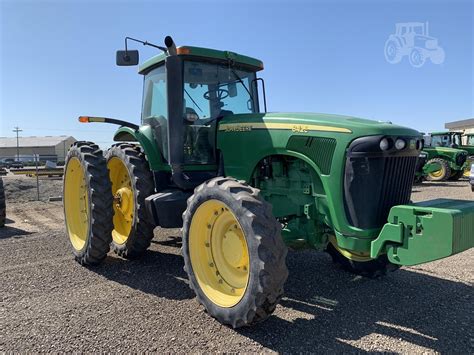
17,130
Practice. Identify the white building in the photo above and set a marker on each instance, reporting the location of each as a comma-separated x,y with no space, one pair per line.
53,148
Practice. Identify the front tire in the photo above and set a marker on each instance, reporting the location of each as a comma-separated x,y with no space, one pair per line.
132,182
233,252
87,203
360,264
442,174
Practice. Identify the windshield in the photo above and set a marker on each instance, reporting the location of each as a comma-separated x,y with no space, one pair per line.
212,90
440,141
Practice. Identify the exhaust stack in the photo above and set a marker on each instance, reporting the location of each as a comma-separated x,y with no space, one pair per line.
169,43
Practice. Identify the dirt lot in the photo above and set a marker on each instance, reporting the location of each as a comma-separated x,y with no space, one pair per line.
50,303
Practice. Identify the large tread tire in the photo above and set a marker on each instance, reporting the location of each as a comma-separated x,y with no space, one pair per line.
3,207
446,170
372,269
143,186
267,271
94,166
457,175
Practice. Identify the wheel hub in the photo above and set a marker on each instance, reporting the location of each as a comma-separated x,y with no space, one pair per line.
219,253
123,202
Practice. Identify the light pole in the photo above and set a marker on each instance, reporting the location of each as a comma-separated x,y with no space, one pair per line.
17,130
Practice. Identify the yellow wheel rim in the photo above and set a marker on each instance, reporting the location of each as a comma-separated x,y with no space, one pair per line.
124,202
219,253
437,173
76,204
467,172
351,255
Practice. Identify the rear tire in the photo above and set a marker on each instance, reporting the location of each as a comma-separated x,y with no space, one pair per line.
440,175
233,252
3,209
372,268
132,182
87,203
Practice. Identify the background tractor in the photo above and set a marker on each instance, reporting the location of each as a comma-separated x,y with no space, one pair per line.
243,183
460,141
442,149
413,40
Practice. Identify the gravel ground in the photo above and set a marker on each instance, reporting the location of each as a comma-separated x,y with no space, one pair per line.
50,303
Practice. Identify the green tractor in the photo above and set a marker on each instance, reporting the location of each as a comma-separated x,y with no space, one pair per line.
423,168
244,184
441,148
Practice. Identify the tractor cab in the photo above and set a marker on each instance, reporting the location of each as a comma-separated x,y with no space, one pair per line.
186,92
184,97
446,139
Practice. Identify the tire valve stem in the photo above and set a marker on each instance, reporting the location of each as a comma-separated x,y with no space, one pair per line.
211,264
207,245
232,290
208,226
245,268
220,281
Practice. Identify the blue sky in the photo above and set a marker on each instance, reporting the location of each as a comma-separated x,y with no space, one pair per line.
58,58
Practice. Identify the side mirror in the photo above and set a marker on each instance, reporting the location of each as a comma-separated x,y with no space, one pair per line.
127,58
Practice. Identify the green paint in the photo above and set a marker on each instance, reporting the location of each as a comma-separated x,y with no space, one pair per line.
306,153
204,53
426,231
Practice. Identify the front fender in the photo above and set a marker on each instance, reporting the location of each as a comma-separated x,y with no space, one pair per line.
144,136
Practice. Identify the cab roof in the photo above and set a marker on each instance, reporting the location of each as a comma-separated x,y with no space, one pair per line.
441,133
189,51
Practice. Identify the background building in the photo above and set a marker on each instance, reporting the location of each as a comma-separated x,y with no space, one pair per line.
53,148
463,125
466,126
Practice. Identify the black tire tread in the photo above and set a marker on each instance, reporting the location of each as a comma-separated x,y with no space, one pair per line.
371,269
143,185
272,253
100,201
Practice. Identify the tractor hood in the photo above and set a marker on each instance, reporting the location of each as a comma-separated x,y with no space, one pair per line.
309,122
446,150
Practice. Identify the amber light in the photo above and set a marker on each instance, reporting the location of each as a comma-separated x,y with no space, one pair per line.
183,50
84,119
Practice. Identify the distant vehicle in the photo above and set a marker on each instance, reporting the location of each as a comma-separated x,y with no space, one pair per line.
451,160
17,165
455,140
413,40
11,163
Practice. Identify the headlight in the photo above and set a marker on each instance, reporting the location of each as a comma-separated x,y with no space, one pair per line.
400,144
384,144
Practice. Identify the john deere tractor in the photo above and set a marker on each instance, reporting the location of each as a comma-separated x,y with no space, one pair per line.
460,141
243,183
443,148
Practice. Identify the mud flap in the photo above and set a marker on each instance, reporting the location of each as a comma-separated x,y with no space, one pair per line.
426,231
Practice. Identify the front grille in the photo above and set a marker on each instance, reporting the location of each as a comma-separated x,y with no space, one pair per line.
318,149
374,183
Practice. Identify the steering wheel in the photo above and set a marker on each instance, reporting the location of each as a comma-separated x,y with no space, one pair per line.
220,94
